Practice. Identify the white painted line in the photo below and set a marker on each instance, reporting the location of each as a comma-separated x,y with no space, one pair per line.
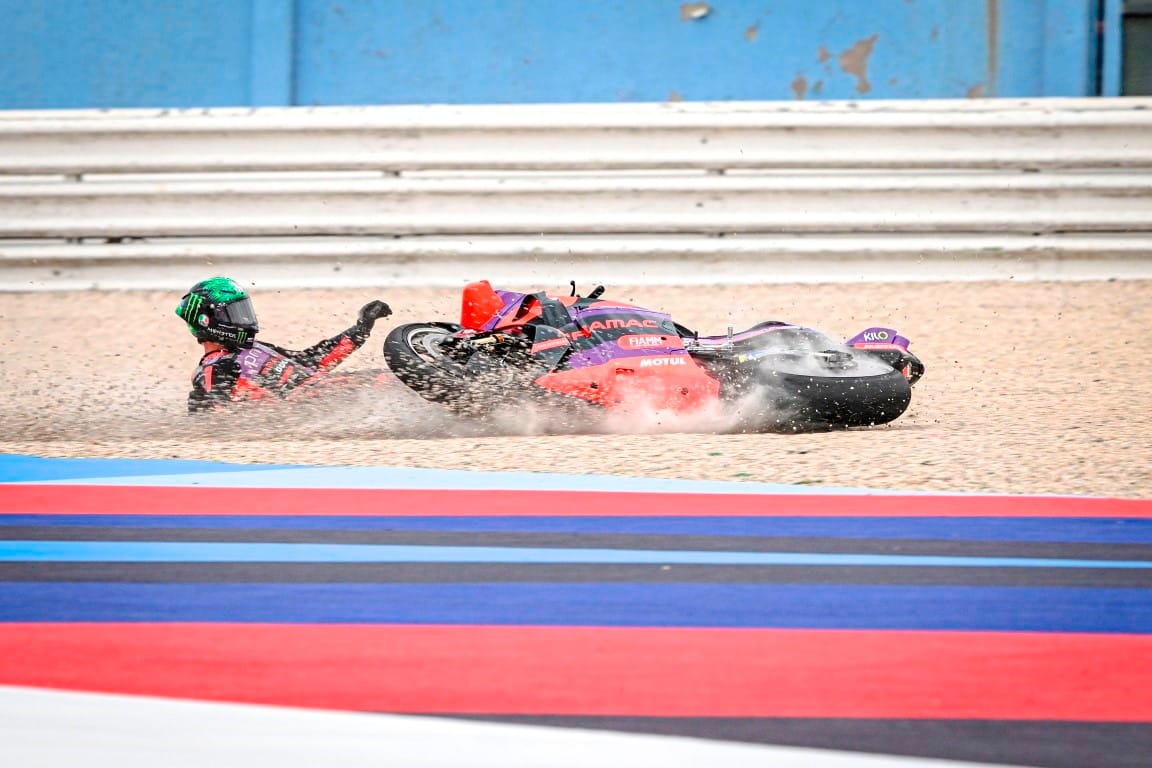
54,729
415,478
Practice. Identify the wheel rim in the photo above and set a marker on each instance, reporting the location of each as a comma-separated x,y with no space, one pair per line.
427,344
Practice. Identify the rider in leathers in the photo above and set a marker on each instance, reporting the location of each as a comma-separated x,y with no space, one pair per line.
235,367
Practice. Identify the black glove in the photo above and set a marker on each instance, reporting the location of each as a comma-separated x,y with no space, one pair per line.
370,313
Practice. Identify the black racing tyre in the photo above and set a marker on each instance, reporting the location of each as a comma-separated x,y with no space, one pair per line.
419,357
800,402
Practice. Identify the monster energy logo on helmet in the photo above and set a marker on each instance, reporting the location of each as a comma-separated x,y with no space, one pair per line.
219,310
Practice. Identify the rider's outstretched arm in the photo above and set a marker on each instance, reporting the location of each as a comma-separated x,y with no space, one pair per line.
329,353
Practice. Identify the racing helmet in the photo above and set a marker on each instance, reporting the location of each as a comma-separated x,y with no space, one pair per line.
219,310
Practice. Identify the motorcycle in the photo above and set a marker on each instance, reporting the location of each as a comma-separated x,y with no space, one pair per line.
595,357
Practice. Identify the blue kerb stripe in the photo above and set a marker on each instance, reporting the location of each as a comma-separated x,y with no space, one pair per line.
831,606
143,472
1094,530
34,469
168,552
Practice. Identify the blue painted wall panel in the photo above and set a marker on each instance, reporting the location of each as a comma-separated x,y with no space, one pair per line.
272,56
156,53
393,51
1047,48
123,53
1112,48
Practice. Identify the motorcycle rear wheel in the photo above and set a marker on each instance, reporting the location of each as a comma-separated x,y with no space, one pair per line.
795,402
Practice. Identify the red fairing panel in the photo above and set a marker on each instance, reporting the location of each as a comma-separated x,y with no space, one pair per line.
659,382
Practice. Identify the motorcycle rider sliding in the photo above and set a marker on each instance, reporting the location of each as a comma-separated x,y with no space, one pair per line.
235,367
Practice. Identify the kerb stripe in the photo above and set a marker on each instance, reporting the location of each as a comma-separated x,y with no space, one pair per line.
129,500
600,671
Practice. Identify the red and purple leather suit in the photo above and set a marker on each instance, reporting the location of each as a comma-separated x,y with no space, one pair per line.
265,370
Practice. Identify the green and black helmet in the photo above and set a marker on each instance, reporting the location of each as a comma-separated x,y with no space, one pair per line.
219,310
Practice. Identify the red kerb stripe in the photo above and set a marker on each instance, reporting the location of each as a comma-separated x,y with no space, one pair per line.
200,500
599,671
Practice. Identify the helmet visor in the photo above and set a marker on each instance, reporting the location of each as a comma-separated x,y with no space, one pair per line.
239,313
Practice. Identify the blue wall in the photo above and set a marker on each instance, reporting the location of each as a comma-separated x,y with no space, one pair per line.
157,53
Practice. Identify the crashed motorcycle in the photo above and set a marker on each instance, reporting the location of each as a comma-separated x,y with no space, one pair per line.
587,355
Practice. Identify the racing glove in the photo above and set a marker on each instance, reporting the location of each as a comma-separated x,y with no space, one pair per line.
369,314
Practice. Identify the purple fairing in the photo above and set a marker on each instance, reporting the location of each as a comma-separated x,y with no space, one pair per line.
512,302
589,315
656,324
880,336
616,348
602,353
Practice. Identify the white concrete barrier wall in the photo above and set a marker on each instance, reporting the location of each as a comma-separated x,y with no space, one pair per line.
545,175
1057,133
623,205
551,262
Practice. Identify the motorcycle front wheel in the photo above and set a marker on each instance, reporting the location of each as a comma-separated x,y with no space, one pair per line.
422,357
